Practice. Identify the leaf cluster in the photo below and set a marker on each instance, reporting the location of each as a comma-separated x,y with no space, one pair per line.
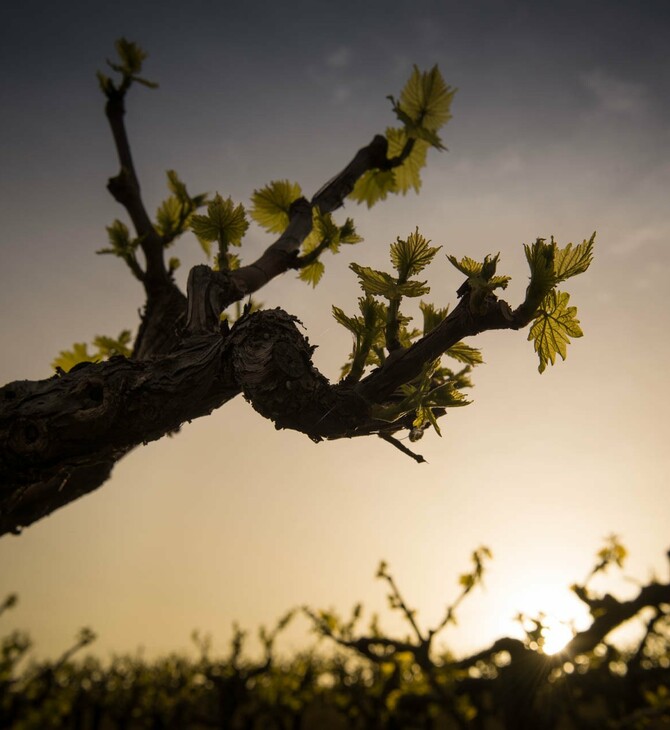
325,235
129,67
423,108
427,397
382,329
173,218
271,209
123,245
174,215
554,322
482,279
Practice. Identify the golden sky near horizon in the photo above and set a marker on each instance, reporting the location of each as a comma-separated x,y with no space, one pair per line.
560,128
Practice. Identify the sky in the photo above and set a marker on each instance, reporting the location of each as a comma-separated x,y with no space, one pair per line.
560,127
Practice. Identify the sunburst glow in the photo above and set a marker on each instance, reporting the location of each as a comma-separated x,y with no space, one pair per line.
556,635
550,614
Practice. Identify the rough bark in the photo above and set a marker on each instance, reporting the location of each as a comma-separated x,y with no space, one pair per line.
60,437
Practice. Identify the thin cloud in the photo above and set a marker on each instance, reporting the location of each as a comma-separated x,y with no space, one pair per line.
640,238
340,58
341,94
615,95
507,163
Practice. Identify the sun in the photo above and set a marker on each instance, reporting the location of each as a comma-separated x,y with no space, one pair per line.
550,616
556,634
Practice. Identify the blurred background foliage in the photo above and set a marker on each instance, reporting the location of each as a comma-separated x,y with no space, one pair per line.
364,678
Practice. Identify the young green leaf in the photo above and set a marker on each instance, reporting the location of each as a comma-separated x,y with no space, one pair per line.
465,354
119,238
348,233
313,272
446,396
224,223
412,255
466,265
271,204
368,332
177,187
552,328
571,261
131,56
426,99
232,262
110,346
325,235
106,84
169,216
408,174
174,213
122,245
324,232
432,316
540,257
379,283
106,347
549,265
481,276
354,324
67,359
373,186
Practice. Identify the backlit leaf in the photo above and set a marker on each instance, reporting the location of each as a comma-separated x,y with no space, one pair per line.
313,272
110,346
426,99
540,257
177,187
376,282
408,174
368,332
432,316
466,265
412,255
481,275
549,265
379,283
552,328
131,56
373,186
571,261
271,204
169,215
465,354
353,324
173,215
224,222
348,233
67,359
